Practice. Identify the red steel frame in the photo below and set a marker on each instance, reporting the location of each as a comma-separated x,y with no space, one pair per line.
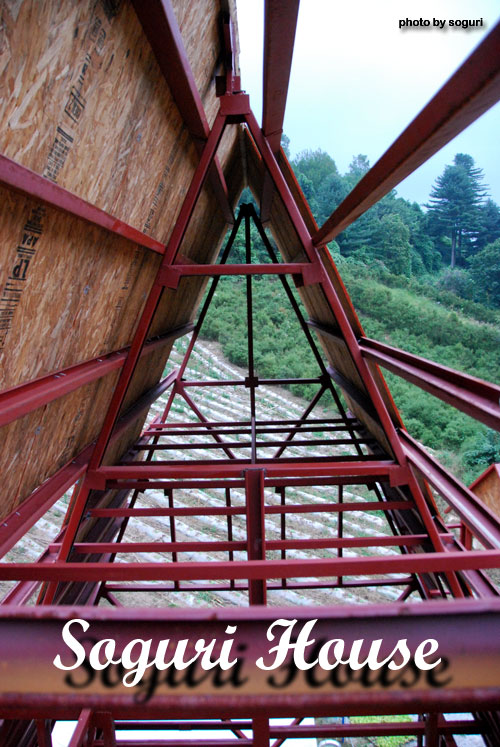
432,560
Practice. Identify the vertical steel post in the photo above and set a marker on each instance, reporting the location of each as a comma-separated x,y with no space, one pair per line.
431,730
256,550
260,728
229,530
43,733
251,368
340,527
282,492
170,497
106,722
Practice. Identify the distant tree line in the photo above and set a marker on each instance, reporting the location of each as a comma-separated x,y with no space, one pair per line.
455,241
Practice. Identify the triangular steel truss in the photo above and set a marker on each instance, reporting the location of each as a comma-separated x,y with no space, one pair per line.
424,556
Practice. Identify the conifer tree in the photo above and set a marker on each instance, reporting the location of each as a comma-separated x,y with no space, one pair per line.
454,206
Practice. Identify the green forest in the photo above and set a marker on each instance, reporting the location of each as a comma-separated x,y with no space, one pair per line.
425,279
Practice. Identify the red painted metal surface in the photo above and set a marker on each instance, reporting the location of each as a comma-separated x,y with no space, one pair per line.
162,31
475,397
280,21
83,726
22,399
87,548
370,470
289,508
256,541
474,513
472,90
300,731
170,276
448,561
18,177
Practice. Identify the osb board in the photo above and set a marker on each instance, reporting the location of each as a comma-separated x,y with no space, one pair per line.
199,25
85,105
487,488
70,291
37,445
313,297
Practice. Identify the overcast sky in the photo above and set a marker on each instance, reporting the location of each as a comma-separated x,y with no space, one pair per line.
358,80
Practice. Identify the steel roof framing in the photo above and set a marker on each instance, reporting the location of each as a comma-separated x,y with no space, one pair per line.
424,555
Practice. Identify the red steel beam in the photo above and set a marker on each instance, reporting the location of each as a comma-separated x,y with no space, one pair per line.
20,400
272,586
410,540
482,522
170,276
289,508
260,444
160,25
280,22
477,398
406,728
23,180
317,421
432,562
83,726
371,470
471,91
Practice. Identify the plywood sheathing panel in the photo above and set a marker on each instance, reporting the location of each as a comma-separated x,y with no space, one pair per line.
313,297
487,488
74,296
122,145
37,445
86,105
41,442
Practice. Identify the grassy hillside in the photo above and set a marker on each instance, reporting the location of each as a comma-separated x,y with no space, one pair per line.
403,312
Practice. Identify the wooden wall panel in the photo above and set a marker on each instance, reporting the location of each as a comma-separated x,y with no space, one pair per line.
74,297
487,488
84,104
